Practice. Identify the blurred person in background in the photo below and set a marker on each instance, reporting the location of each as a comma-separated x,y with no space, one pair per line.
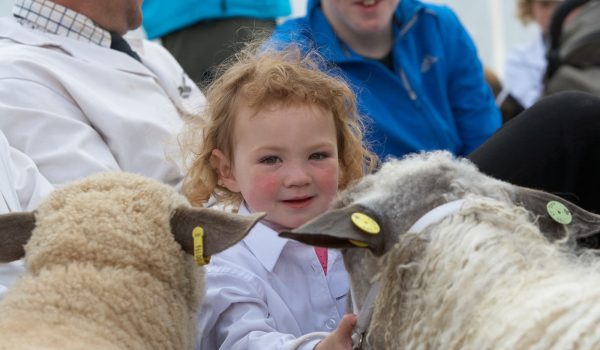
201,34
525,65
416,74
78,98
574,48
413,67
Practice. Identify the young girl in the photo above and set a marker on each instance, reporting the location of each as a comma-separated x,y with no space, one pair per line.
280,137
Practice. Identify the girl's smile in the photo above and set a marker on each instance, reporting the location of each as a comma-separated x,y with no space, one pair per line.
298,203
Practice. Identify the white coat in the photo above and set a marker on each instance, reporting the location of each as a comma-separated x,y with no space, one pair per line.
524,71
21,188
77,108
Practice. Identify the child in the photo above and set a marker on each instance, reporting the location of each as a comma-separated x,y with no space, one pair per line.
280,137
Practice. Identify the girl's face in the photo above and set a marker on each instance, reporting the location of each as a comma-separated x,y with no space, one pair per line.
285,163
360,17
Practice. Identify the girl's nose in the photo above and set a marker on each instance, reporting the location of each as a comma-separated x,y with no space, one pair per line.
296,176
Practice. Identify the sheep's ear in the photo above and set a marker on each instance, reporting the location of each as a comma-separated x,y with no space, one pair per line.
557,217
220,230
349,227
15,231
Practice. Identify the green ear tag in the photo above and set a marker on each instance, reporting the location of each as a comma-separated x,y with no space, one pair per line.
365,223
198,235
559,212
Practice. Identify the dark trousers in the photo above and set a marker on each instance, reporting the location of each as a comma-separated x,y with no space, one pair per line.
552,146
201,47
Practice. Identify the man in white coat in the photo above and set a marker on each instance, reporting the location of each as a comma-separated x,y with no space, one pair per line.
76,106
21,188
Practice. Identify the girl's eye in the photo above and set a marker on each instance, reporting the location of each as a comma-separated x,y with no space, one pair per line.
270,160
319,156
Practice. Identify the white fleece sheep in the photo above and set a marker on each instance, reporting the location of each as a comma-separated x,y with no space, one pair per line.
108,266
498,273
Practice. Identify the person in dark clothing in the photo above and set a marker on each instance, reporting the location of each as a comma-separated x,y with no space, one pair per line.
552,146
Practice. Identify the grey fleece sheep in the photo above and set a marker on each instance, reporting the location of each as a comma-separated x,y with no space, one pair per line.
495,272
108,266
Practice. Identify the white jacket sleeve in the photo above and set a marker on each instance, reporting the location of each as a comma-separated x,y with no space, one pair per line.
21,188
30,185
22,185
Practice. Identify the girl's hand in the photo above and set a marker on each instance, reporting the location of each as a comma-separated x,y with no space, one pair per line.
341,338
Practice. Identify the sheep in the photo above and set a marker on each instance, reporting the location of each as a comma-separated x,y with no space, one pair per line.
109,265
494,272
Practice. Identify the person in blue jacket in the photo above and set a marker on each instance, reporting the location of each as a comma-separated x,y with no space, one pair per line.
203,33
413,66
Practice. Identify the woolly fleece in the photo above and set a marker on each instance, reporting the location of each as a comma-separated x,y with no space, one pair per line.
104,272
498,274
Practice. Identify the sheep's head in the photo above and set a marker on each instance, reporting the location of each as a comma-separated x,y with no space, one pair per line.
402,192
117,218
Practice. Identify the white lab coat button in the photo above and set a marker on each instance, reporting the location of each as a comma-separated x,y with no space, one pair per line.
330,324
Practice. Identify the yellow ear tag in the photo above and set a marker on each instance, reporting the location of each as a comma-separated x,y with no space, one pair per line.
365,223
198,235
359,243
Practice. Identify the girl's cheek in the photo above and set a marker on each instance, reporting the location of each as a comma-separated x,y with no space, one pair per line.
330,178
266,184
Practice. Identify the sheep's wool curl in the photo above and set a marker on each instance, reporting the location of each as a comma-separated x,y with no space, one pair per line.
102,257
486,279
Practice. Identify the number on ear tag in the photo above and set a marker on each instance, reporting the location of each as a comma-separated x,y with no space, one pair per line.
198,235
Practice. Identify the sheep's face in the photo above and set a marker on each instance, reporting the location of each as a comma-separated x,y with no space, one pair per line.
397,196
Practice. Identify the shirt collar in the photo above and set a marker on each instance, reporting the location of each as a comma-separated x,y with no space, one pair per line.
264,243
56,19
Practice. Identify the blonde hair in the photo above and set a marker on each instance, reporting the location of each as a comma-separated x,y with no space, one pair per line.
524,12
261,78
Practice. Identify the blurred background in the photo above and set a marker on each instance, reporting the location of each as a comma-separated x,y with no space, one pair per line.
491,23
5,6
